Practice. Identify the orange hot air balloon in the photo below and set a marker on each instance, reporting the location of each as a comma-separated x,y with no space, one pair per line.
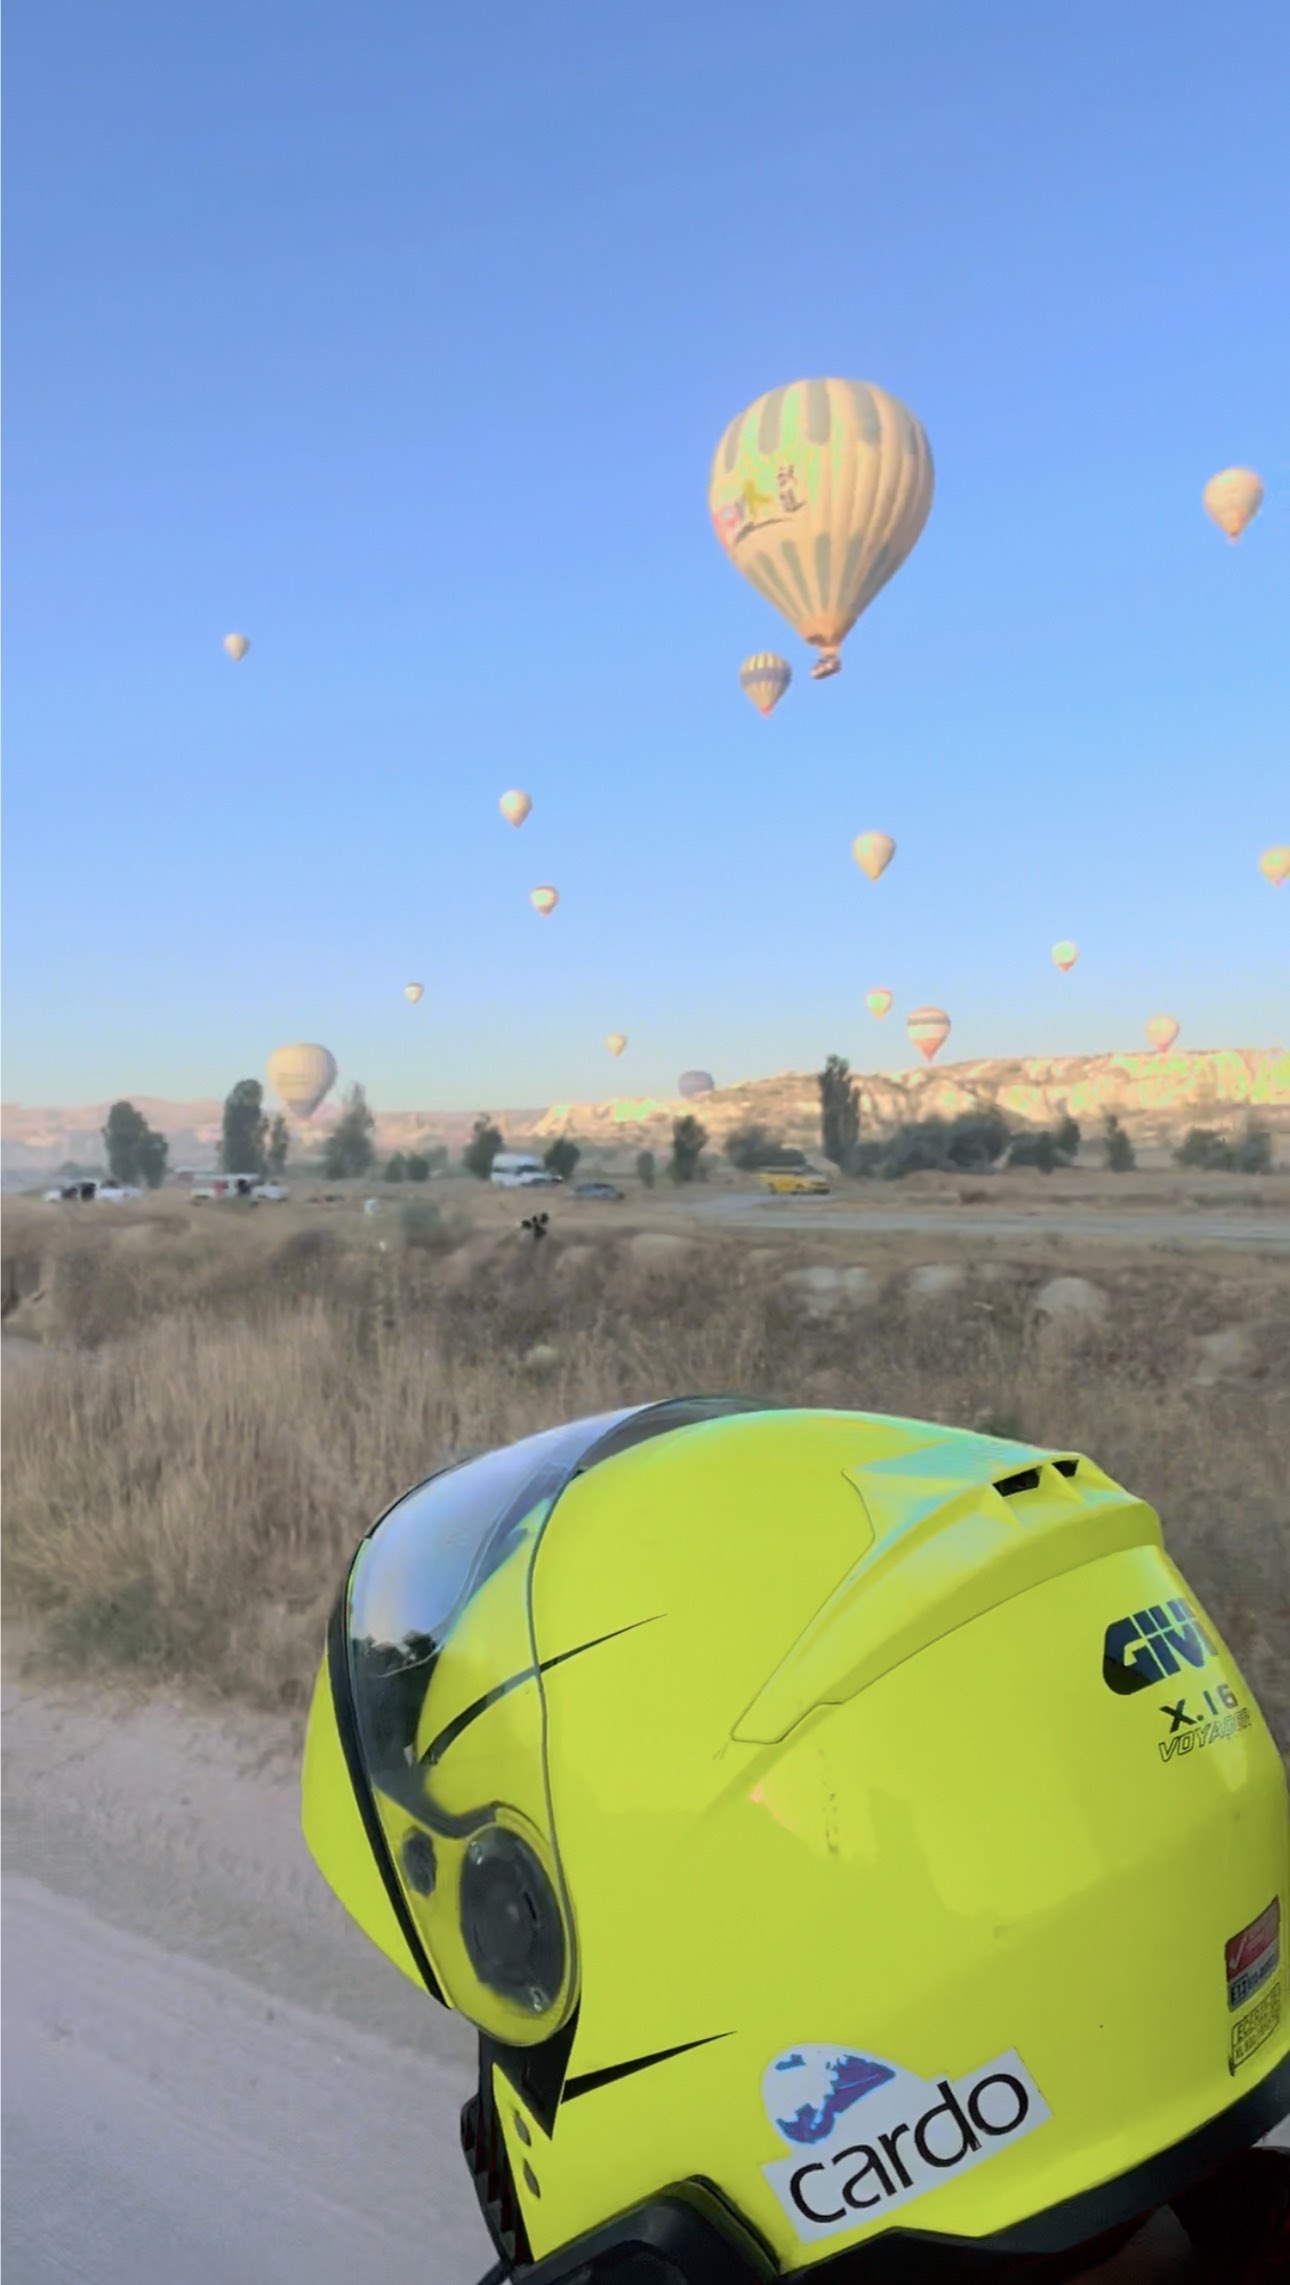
873,853
1233,499
544,900
237,646
515,807
1162,1031
1274,865
878,1001
1065,955
928,1028
616,1042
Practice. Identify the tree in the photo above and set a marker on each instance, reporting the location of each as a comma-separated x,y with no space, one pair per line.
562,1158
154,1150
839,1113
645,1168
1066,1136
245,1131
689,1139
1038,1149
1253,1153
482,1149
349,1148
1120,1158
751,1147
977,1139
396,1168
1205,1147
135,1154
279,1144
417,1166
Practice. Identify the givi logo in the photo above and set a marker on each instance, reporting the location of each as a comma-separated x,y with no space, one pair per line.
871,2137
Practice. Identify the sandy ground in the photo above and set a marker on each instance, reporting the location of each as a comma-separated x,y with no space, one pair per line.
208,2076
1265,1233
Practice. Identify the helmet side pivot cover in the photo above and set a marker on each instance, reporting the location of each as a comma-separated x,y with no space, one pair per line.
808,1808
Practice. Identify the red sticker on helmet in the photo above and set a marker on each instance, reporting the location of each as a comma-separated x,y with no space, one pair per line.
1253,1955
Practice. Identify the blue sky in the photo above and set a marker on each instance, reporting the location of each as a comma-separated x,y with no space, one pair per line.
401,338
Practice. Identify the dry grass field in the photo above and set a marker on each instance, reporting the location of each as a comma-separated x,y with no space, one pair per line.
218,1400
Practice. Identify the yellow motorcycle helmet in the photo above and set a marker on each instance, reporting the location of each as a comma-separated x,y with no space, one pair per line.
855,1847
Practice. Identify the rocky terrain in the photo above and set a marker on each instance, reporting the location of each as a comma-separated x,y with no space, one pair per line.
1156,1096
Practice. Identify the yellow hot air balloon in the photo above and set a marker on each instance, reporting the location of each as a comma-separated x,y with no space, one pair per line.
1065,954
413,992
544,900
237,646
765,678
515,807
1233,498
928,1028
1274,865
1162,1031
616,1042
878,1001
818,493
873,853
302,1075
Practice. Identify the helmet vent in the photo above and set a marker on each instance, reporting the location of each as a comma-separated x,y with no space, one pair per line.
1066,1467
1025,1480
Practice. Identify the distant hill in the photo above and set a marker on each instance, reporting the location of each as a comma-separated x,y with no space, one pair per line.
1156,1096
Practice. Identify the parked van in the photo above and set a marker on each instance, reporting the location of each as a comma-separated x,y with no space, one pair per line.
515,1169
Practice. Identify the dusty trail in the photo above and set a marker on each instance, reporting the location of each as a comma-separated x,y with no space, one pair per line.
1257,1233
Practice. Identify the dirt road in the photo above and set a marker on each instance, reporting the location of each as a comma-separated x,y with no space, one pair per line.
1265,1233
208,2076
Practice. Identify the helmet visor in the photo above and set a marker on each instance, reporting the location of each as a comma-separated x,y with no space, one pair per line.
446,1696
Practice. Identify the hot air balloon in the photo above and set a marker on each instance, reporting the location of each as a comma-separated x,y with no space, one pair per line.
765,678
1233,498
616,1042
302,1075
818,493
928,1028
878,1001
1274,865
692,1083
237,646
873,853
1162,1031
515,807
544,900
1065,954
413,992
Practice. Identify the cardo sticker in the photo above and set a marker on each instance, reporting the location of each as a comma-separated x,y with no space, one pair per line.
867,2137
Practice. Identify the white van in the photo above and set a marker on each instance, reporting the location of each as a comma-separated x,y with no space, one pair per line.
516,1169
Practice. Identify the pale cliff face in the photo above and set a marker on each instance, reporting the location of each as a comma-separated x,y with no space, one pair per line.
1157,1097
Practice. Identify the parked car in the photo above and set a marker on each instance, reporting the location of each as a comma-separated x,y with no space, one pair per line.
91,1193
596,1190
250,1186
538,1178
796,1182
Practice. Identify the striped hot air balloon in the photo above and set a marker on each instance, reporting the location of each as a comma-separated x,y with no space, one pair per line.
544,900
515,807
765,678
873,853
878,1001
1065,955
818,493
413,992
928,1028
1274,865
1162,1031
